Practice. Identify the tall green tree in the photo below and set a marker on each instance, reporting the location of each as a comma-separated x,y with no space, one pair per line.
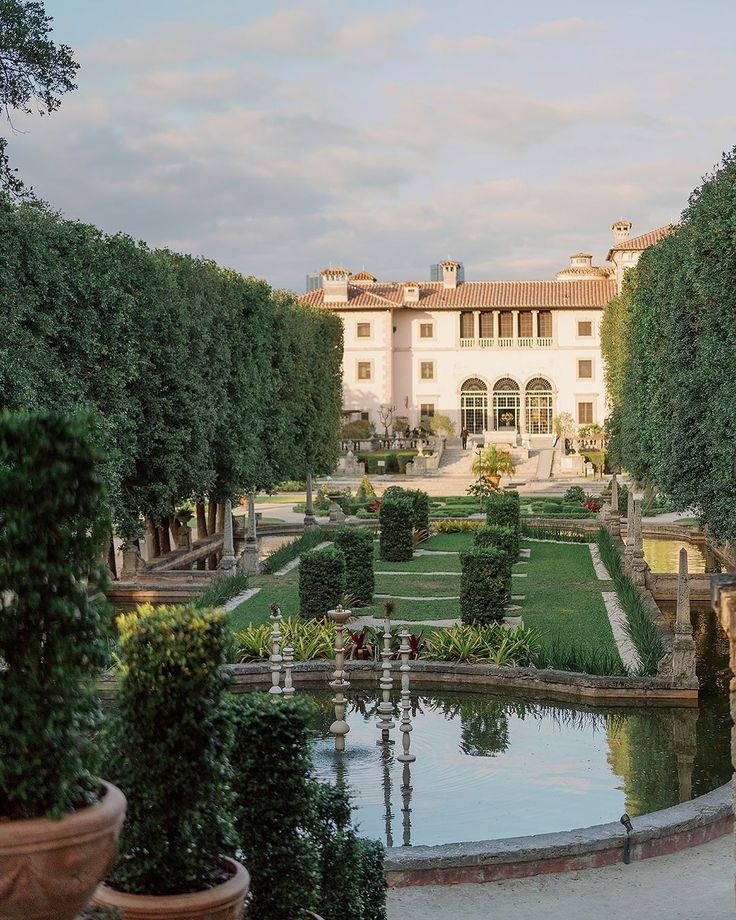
34,72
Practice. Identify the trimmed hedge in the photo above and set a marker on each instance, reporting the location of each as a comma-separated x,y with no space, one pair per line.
505,539
396,516
321,582
356,544
503,509
270,753
168,751
292,550
419,503
485,585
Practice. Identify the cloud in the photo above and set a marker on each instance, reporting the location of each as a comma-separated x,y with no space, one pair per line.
518,40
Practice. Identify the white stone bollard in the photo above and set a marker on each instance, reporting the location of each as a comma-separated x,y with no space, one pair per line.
385,707
288,665
275,657
405,727
339,727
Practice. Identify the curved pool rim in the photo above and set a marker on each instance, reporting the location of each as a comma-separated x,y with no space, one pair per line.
668,830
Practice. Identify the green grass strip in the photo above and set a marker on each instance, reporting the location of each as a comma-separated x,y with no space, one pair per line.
222,590
291,550
639,625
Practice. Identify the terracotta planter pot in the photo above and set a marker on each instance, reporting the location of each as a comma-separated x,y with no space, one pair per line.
49,869
224,902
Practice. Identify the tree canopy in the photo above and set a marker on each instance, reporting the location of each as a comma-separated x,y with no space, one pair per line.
669,346
201,382
34,72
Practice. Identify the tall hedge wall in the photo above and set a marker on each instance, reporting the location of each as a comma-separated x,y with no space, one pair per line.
396,516
356,545
200,382
670,351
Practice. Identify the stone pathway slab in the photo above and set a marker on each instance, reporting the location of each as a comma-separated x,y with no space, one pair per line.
397,597
429,574
290,566
600,570
240,599
617,619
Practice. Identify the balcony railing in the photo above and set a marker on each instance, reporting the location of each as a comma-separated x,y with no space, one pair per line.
521,342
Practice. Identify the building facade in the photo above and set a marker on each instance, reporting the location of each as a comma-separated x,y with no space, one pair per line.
500,358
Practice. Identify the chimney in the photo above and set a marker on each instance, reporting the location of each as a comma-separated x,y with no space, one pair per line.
621,231
581,260
411,292
449,274
335,285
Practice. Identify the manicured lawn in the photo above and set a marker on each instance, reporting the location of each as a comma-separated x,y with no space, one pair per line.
562,594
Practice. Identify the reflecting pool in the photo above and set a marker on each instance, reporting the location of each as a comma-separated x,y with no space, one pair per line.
663,555
489,766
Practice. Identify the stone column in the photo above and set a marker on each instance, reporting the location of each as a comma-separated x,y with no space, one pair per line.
614,519
723,598
496,324
250,560
227,562
638,566
132,562
309,519
629,526
683,647
476,324
515,325
535,327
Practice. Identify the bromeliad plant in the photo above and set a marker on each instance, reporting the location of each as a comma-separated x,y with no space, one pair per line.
309,638
52,615
490,644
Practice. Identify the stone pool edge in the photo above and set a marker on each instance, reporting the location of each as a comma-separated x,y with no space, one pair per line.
681,826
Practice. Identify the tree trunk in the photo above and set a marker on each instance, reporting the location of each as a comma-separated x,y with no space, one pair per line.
201,521
153,538
175,528
212,518
220,517
164,537
111,563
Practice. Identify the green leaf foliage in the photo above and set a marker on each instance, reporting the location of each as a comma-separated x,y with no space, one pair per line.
396,516
673,409
199,382
273,807
503,508
356,544
321,582
485,585
419,504
167,740
292,550
505,539
53,625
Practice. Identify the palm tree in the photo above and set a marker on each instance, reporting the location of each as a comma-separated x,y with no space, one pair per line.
492,463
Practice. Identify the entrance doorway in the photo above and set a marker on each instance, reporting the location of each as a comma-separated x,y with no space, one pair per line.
538,399
474,405
506,405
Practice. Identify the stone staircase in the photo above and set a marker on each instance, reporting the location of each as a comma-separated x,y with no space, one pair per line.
456,462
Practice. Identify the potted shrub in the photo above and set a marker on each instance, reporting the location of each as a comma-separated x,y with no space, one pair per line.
59,825
167,742
492,463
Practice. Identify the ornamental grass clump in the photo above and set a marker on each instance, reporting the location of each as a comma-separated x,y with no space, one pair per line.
167,749
321,582
485,585
53,621
505,539
356,545
396,517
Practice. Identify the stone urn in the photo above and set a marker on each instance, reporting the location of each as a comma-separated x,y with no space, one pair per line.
223,902
49,869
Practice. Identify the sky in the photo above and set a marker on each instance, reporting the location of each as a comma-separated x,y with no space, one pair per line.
279,138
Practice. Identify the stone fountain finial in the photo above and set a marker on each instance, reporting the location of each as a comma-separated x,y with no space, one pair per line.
339,727
275,657
385,707
227,562
405,728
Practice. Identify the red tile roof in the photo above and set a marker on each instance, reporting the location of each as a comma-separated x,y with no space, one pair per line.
543,295
643,241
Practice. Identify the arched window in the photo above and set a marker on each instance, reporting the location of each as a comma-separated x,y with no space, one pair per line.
474,405
506,404
538,404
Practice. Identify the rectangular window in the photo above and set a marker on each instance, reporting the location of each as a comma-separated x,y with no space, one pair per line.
364,330
426,330
585,328
365,416
525,325
545,324
364,370
426,410
426,370
486,326
506,321
585,413
467,324
585,369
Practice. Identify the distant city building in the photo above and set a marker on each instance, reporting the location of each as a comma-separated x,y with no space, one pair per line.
500,358
314,281
435,272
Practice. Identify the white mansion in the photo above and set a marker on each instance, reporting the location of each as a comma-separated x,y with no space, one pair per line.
499,357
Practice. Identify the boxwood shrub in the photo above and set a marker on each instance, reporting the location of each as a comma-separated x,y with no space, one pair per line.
419,502
485,585
503,509
168,752
396,516
356,544
52,627
321,582
505,539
